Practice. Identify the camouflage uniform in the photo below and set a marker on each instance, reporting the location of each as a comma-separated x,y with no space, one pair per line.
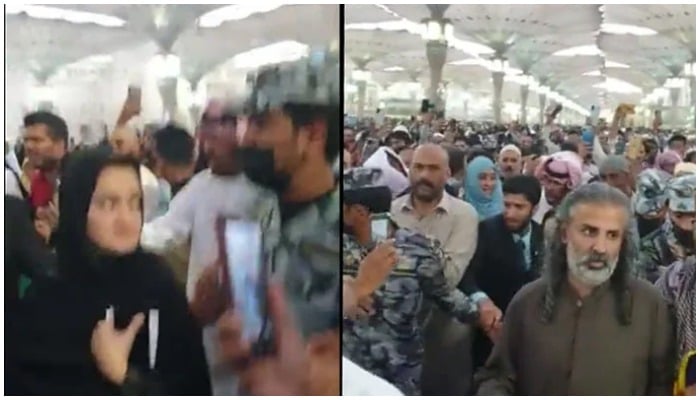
661,248
390,342
305,258
677,285
650,195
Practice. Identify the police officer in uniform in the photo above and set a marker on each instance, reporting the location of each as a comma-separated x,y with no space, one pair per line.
289,141
389,343
674,240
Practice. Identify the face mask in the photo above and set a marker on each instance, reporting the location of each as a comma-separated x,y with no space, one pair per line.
685,238
259,166
579,269
646,226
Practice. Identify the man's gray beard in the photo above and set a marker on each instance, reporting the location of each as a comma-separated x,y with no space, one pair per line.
587,276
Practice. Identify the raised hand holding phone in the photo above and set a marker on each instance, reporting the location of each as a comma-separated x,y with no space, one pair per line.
245,277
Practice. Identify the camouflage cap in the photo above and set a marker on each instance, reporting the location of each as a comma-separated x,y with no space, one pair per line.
313,80
681,193
361,177
364,186
651,195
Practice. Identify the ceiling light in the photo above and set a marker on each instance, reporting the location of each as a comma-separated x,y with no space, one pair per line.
275,53
99,59
613,85
394,69
613,64
622,29
43,93
592,73
419,29
468,61
235,12
402,25
76,17
587,50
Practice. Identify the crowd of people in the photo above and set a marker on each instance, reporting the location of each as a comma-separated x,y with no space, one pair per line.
114,264
520,260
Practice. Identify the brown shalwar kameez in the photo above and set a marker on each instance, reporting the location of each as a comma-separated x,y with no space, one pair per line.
584,350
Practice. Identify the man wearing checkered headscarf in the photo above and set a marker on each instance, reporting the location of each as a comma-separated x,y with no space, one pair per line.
559,174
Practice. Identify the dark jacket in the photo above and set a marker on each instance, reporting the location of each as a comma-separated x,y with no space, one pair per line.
498,269
51,354
25,252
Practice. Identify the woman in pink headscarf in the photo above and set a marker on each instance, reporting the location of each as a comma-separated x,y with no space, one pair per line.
667,161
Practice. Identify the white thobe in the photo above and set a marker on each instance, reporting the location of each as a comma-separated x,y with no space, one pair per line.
192,214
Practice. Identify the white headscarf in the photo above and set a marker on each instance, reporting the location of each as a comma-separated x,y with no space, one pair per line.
395,180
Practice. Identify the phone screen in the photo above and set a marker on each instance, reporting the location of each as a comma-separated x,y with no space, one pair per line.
380,227
134,95
244,263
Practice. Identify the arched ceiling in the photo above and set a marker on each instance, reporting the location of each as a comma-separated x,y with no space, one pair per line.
44,46
529,35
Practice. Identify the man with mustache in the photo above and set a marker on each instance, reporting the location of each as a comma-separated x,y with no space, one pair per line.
389,343
510,161
588,327
429,210
289,145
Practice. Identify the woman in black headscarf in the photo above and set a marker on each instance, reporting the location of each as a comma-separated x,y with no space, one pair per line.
115,321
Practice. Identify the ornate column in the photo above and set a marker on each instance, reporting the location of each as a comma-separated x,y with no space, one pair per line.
436,52
497,94
543,104
675,97
524,92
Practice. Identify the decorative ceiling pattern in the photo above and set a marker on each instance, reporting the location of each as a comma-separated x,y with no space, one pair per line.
44,46
529,35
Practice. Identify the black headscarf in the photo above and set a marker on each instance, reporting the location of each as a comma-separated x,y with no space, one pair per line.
51,352
79,258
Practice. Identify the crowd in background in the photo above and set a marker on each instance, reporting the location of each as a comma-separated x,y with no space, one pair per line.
521,259
116,277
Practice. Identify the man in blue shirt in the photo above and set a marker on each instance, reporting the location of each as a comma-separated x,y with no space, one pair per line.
508,253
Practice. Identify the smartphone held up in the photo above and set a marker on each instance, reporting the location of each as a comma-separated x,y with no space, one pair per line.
245,275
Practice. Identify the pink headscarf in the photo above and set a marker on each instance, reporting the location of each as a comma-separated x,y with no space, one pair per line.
667,161
564,166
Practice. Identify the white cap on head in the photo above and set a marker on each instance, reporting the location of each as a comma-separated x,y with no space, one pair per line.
510,147
400,128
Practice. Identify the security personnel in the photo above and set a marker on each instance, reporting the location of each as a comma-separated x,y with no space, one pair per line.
390,342
289,140
674,240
